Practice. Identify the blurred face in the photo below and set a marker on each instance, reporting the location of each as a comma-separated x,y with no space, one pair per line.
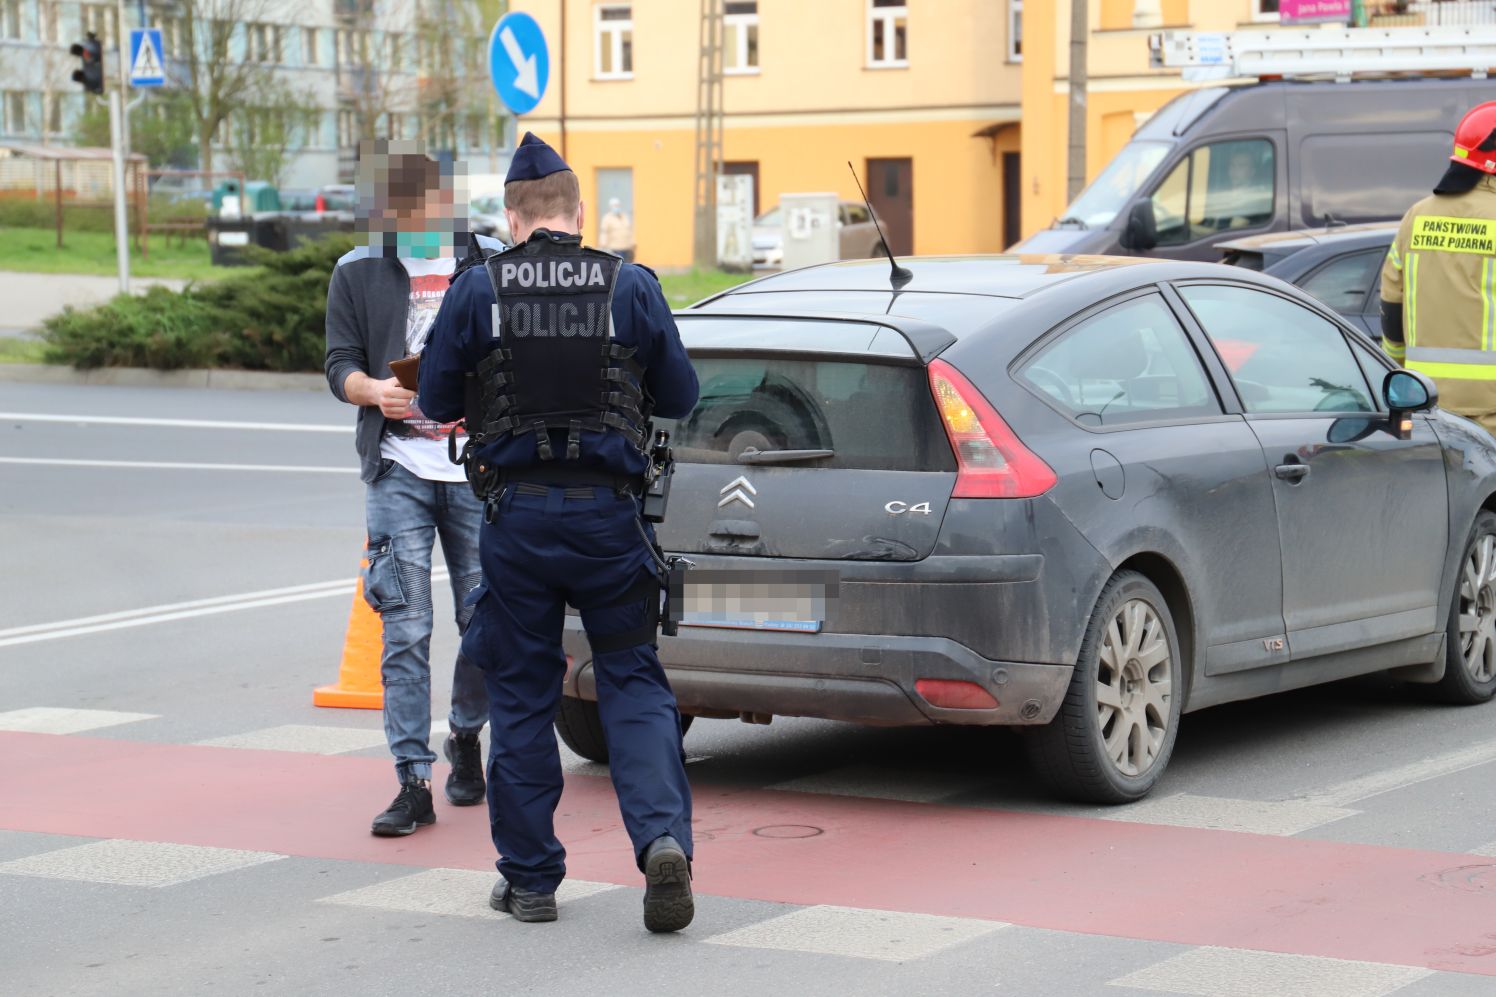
1241,169
430,212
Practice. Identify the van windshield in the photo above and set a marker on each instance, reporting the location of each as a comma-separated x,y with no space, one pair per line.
1109,193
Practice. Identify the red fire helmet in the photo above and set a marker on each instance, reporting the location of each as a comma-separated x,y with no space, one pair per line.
1473,145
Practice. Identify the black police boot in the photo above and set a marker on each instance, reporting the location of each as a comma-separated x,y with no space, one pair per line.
465,784
522,905
411,809
667,886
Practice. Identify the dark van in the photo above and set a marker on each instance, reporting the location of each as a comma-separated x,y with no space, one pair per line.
1223,162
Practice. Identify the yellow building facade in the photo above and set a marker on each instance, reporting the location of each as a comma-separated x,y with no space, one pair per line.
921,96
1121,92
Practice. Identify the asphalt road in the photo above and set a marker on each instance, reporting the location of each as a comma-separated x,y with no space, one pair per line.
1331,842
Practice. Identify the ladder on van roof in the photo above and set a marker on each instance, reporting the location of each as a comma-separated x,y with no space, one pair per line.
1342,53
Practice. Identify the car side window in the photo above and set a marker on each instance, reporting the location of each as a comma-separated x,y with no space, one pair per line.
1219,187
1131,363
1282,357
1376,371
1344,283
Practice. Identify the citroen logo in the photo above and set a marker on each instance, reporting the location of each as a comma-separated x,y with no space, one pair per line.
737,490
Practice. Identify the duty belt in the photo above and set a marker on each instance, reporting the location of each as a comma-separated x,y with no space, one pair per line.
571,477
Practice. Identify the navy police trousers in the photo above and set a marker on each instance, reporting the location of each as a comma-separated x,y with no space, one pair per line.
580,546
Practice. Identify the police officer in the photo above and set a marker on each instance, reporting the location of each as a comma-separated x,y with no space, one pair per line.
1439,281
584,350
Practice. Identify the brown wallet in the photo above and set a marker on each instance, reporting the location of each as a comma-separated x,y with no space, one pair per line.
406,371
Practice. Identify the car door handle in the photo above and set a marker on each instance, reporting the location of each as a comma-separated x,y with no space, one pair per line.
1292,472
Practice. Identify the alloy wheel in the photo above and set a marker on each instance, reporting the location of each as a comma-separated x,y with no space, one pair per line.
1134,684
1478,609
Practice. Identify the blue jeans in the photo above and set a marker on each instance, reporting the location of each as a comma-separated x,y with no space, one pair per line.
405,514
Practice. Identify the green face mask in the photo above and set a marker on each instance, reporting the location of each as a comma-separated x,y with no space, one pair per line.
419,245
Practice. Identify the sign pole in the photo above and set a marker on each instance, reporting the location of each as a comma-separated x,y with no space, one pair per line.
121,226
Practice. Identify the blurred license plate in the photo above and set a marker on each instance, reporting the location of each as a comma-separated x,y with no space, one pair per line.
757,600
233,238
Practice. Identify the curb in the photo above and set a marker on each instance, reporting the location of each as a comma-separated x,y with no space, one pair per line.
140,377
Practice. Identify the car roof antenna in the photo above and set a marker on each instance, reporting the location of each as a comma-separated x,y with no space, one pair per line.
897,276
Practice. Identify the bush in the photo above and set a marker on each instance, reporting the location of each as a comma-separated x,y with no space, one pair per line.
268,318
27,212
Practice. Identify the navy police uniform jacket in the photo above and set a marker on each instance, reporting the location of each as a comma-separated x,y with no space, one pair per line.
463,336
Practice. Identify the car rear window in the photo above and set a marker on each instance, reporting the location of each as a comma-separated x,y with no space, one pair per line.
870,414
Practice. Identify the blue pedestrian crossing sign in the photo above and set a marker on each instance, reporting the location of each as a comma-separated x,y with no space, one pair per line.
518,61
146,66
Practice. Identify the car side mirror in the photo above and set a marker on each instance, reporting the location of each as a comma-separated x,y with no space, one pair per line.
1141,232
1406,392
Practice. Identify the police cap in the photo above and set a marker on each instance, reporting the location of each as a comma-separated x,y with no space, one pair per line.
533,160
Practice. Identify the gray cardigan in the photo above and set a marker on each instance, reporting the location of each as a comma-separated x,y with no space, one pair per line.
368,300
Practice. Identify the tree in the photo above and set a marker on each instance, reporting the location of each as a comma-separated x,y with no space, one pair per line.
161,129
218,75
260,136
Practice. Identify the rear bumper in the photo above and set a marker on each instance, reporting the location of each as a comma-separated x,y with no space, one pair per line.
860,678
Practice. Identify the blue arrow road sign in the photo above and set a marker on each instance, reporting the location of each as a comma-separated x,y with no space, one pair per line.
518,62
146,67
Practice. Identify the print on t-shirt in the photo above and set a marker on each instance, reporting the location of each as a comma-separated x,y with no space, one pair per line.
426,292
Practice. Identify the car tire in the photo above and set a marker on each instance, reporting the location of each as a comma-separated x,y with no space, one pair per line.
581,728
1116,751
1470,647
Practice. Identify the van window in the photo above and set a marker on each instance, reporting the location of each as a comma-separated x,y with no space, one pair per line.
1109,193
1367,178
1220,187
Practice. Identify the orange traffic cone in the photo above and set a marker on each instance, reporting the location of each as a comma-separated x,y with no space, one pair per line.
358,686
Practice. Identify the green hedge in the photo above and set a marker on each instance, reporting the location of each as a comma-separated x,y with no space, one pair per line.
267,318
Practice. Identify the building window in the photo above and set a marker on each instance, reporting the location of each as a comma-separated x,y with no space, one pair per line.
395,52
614,42
347,127
351,48
478,133
48,15
264,42
1015,30
309,46
887,33
395,125
15,112
54,114
10,19
100,20
740,36
1264,10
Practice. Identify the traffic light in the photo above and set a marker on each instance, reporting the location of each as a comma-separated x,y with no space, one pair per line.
92,73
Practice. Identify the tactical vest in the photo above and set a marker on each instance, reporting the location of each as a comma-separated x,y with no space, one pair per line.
556,366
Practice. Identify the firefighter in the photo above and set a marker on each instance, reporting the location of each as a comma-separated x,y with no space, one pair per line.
1439,281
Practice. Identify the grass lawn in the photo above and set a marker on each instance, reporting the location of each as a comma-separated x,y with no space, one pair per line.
17,349
34,250
682,289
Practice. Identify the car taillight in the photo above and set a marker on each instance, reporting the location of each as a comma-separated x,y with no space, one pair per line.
991,461
952,694
321,204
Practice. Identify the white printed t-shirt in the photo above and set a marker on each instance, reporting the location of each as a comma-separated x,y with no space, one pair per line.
417,443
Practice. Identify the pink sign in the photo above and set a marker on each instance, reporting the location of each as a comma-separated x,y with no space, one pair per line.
1306,11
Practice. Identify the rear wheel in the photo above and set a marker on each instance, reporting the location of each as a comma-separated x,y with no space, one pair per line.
1114,733
581,728
1470,665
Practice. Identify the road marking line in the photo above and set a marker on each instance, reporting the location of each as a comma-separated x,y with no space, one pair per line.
175,465
136,863
304,738
122,420
56,720
1375,784
889,936
452,892
1285,818
1223,972
182,611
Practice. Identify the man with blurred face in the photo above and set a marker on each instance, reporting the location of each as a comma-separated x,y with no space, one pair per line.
381,303
615,233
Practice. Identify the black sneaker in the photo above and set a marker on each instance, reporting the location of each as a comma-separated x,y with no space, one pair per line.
667,886
522,905
411,809
465,784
